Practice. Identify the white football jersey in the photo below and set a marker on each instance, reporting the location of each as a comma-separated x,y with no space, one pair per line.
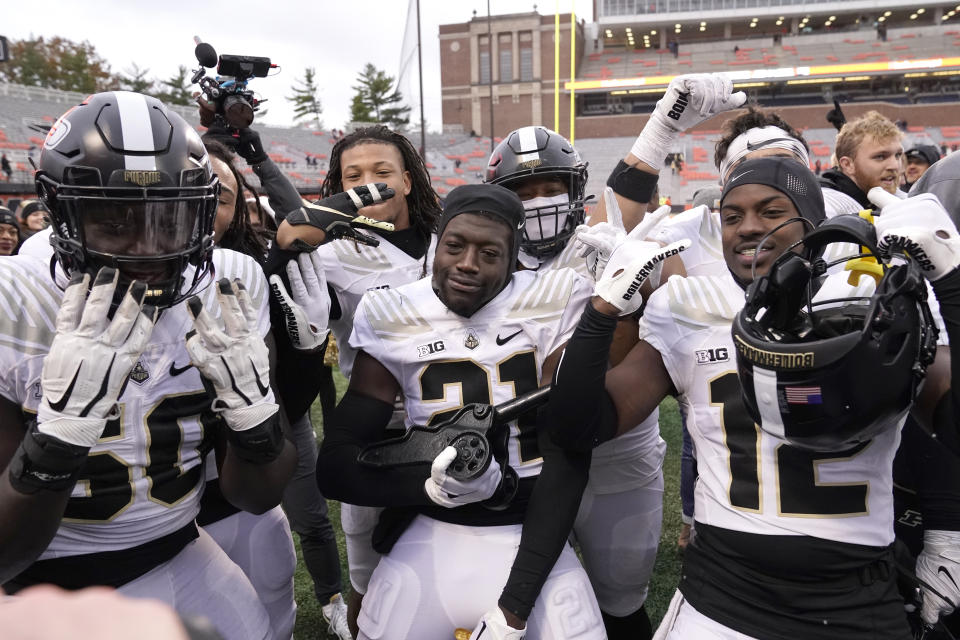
702,227
749,480
444,361
144,478
352,269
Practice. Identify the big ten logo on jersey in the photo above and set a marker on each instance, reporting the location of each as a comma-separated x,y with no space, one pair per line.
425,350
711,356
379,286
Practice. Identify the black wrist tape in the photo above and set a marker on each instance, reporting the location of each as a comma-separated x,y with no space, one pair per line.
260,444
45,462
632,183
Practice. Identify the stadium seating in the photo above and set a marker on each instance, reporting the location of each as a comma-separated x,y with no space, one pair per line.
22,107
802,50
25,110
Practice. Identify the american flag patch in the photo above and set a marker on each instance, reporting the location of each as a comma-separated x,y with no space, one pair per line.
803,395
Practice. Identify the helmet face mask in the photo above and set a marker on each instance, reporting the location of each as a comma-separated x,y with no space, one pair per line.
539,153
833,373
129,185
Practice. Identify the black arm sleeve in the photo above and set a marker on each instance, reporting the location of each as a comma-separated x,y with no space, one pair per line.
581,413
546,526
937,478
358,421
947,415
283,196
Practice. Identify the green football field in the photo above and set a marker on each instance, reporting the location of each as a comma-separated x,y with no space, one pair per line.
310,623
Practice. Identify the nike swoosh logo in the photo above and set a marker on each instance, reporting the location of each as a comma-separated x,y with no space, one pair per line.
62,402
256,376
753,146
943,570
503,341
175,370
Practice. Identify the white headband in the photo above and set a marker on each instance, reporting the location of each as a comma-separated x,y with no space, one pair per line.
761,138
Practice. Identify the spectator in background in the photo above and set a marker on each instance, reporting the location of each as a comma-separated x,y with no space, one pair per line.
818,167
9,233
919,159
869,152
33,217
5,166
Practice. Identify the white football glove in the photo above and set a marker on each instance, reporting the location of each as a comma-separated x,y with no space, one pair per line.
689,100
598,242
939,566
493,626
919,227
235,361
632,263
306,312
91,356
450,492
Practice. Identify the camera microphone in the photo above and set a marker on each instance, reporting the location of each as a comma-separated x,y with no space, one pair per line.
206,54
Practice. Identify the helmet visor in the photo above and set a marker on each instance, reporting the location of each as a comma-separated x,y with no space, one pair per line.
138,228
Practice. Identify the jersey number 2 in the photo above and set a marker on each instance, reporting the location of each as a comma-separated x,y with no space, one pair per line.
520,370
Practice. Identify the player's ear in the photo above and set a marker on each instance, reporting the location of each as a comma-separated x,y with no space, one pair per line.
407,183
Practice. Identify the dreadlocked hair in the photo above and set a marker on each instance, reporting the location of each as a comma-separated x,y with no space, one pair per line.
241,236
423,202
754,118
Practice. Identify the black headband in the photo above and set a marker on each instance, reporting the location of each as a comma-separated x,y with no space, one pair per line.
787,176
486,199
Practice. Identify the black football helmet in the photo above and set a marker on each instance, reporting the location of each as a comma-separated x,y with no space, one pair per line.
129,185
828,374
538,151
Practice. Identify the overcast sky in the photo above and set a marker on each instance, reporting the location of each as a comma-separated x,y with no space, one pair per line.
338,37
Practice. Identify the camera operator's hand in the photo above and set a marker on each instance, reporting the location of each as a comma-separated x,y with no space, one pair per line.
334,217
207,111
249,146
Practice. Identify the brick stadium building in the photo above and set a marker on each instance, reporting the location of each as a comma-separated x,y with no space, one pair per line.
899,58
902,58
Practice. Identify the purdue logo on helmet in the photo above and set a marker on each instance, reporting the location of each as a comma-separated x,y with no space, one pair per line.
832,368
129,185
539,152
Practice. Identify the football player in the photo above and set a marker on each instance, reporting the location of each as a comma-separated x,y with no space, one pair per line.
793,505
348,269
106,418
618,526
475,332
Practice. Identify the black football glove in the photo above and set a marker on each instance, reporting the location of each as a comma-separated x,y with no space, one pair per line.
337,215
